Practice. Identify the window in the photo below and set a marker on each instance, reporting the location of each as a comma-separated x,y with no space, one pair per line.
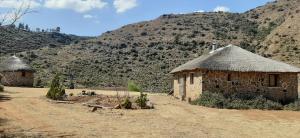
23,74
273,80
192,78
229,77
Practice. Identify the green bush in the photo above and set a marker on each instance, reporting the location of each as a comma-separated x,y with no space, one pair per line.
56,91
214,100
295,106
142,100
133,87
236,101
72,85
1,88
127,104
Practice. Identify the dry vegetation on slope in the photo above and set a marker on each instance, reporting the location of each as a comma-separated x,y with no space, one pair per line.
16,40
145,52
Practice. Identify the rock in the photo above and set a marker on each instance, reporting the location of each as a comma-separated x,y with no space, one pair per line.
150,105
92,93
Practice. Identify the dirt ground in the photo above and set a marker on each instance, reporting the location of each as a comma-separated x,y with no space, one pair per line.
26,111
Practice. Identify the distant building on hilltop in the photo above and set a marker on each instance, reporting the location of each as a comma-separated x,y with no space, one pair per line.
15,72
232,69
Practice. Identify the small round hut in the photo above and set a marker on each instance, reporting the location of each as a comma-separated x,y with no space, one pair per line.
15,72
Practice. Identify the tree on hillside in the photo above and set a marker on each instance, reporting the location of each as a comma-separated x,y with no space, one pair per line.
21,26
27,27
57,29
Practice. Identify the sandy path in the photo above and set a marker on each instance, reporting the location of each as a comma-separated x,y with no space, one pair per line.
29,112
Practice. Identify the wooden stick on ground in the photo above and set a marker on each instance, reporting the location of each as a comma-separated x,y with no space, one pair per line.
97,106
65,102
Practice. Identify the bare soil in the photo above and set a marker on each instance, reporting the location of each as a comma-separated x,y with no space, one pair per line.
26,112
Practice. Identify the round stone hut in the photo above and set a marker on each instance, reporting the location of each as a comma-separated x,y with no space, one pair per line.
232,69
15,72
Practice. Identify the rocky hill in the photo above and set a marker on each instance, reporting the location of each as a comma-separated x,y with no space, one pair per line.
145,52
13,40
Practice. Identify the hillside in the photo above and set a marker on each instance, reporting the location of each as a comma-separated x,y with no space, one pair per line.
14,40
145,52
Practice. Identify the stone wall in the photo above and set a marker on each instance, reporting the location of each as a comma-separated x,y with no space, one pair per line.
16,79
192,91
250,82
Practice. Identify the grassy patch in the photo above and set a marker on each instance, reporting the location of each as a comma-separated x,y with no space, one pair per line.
132,86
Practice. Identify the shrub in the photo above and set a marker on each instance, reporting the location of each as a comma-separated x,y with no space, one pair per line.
295,106
142,100
214,100
1,88
38,83
71,94
236,101
127,104
56,91
133,87
72,85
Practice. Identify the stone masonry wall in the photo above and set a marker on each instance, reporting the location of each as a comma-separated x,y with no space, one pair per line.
250,82
16,79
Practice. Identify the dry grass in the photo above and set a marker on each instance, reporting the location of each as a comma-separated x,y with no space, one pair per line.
29,113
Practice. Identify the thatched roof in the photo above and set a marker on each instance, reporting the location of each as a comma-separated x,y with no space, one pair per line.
14,64
233,58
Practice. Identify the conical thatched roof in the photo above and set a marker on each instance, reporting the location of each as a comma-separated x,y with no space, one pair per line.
233,58
14,64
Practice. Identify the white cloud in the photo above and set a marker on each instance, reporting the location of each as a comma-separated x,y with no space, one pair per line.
88,16
222,9
124,5
76,5
200,11
19,3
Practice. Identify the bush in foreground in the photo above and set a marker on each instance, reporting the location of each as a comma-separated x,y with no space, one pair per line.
1,88
127,104
56,91
295,106
236,101
142,100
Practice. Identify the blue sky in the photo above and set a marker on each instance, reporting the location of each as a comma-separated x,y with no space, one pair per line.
93,17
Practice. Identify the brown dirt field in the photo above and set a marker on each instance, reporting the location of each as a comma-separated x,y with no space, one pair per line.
26,111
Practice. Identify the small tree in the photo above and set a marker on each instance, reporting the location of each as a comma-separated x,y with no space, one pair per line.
56,91
57,29
127,103
142,100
